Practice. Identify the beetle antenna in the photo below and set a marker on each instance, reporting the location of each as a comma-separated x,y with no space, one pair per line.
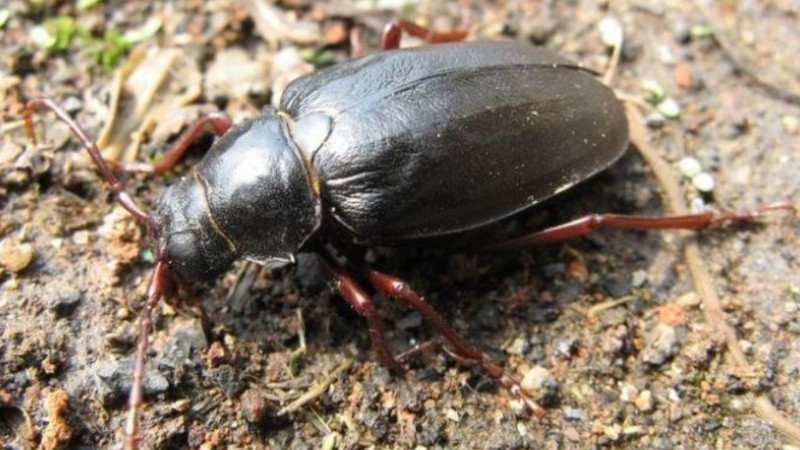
124,198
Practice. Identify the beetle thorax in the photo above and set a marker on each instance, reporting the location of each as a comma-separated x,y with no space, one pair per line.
256,194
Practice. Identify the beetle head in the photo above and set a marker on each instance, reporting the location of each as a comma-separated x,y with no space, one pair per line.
189,240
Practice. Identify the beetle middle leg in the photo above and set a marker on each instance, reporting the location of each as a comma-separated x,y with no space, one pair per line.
593,222
362,303
463,352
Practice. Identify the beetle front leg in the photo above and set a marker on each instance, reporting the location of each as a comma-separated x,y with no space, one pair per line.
463,352
362,303
218,122
159,284
594,222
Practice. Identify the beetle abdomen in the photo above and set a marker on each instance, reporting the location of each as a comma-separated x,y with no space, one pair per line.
442,139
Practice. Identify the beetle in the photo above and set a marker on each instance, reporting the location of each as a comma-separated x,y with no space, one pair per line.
386,149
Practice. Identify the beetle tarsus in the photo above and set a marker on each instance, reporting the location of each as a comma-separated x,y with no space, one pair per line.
594,222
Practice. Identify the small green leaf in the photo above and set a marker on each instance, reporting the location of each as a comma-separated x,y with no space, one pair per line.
83,5
701,31
55,34
4,16
42,38
653,90
794,292
329,442
147,256
669,108
317,58
146,31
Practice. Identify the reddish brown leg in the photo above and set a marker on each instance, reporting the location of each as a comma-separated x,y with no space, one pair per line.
219,123
464,353
362,303
159,284
591,223
394,31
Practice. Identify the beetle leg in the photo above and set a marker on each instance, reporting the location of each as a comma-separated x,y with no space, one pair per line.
362,303
463,352
159,284
394,31
593,222
219,123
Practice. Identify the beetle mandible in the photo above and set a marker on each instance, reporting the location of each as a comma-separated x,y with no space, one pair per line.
388,148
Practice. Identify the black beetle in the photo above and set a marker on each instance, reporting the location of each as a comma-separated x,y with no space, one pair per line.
392,147
388,149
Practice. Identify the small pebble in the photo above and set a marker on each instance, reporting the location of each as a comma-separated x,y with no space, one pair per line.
574,414
534,379
572,434
613,431
790,307
452,415
791,125
689,167
655,120
65,304
567,347
123,313
644,401
253,406
81,237
518,346
519,408
610,31
15,256
661,345
703,182
627,392
639,278
666,56
669,107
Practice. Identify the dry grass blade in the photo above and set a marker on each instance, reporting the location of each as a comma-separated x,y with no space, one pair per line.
714,314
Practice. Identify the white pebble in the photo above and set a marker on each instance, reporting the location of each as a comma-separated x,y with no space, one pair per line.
689,167
704,182
610,31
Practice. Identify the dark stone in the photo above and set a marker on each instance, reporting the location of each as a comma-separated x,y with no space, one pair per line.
63,306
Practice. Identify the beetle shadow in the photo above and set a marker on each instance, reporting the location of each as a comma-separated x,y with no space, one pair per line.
490,293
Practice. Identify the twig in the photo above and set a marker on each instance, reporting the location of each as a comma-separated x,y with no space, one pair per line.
316,390
743,64
714,314
600,307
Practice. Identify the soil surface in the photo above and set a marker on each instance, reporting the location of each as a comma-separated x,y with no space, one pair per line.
606,329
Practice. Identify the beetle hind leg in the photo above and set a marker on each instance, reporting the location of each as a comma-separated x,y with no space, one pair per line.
593,222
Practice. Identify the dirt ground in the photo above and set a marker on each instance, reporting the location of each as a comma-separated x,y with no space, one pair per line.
608,329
